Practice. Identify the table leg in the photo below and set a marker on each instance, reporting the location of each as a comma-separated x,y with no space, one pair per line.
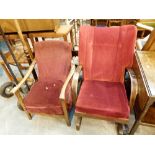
138,121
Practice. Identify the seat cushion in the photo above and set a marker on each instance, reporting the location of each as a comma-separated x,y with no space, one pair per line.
44,98
103,98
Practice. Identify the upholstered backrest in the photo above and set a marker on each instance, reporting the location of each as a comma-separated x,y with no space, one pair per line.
53,60
104,53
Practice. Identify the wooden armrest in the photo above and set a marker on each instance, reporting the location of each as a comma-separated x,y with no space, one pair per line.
144,26
63,89
75,82
139,44
134,87
25,77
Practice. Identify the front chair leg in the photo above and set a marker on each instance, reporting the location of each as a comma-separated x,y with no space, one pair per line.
78,122
67,120
122,129
20,99
66,116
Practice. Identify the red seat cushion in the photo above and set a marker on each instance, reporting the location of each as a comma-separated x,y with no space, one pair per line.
44,98
103,98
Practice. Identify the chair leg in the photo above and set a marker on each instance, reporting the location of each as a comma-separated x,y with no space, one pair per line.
22,104
122,129
64,107
29,115
78,122
68,122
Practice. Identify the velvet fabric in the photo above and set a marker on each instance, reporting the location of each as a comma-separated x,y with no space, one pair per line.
104,54
103,98
54,62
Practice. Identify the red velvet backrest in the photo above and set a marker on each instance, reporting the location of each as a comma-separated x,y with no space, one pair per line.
53,60
104,53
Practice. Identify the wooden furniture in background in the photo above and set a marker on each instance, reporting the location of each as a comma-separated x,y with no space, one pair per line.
34,28
112,22
144,29
144,68
147,43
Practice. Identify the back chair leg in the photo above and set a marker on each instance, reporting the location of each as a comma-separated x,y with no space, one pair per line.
122,129
64,107
78,122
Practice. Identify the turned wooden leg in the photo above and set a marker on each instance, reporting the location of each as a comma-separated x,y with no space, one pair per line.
78,122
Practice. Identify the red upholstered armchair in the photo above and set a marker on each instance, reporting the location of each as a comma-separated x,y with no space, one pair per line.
51,94
104,54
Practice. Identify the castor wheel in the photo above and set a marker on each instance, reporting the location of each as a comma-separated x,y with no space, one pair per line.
19,106
6,88
122,129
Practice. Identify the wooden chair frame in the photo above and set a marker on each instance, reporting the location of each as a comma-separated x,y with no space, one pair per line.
134,91
62,98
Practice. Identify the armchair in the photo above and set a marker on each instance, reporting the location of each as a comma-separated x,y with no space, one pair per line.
104,54
51,94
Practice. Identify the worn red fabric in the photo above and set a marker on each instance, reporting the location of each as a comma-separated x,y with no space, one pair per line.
103,98
105,52
44,98
54,62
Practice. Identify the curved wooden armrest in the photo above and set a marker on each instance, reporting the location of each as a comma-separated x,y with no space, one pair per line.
139,44
134,87
63,89
25,77
75,82
144,26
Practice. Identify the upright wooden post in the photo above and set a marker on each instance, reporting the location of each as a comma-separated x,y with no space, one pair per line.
26,46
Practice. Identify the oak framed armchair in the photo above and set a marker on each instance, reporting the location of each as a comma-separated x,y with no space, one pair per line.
104,54
52,93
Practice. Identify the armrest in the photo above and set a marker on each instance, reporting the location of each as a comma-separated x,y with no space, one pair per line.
63,89
139,44
75,82
25,77
144,26
134,87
